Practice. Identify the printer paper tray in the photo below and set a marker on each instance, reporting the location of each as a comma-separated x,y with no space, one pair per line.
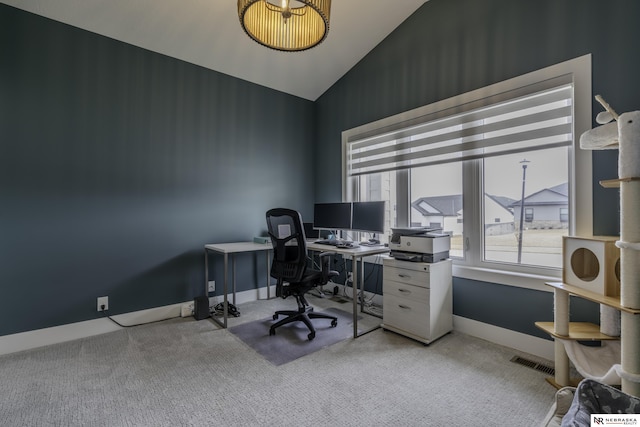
416,257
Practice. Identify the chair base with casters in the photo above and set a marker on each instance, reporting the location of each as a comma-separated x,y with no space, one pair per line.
304,314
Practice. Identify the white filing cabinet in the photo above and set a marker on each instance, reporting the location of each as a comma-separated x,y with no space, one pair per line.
417,299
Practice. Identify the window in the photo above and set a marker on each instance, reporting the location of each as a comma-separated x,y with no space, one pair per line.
564,215
498,168
377,187
436,200
528,214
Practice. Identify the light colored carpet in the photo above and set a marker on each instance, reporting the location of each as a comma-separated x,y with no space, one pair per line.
188,373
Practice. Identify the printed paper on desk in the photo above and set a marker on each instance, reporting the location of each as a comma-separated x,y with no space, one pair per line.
284,230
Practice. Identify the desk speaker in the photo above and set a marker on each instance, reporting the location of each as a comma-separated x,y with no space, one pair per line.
201,308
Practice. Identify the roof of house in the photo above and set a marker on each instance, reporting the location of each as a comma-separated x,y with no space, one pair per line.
556,195
452,204
503,201
444,205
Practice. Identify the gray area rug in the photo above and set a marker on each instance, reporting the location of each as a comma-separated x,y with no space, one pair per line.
290,341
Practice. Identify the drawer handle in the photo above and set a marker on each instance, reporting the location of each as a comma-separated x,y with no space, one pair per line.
404,307
404,290
404,276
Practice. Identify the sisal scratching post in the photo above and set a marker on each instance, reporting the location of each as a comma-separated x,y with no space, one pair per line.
609,321
629,243
561,327
629,169
561,312
630,349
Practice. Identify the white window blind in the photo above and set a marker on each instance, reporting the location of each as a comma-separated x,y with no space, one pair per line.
531,118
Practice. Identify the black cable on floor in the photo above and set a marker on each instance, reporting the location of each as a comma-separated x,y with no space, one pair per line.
130,326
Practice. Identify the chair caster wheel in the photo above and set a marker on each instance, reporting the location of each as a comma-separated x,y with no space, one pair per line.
311,336
334,323
272,331
275,317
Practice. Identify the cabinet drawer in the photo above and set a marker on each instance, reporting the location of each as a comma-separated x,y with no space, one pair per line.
406,315
403,275
415,266
403,290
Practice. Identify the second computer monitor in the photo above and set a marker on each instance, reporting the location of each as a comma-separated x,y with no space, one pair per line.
332,216
368,216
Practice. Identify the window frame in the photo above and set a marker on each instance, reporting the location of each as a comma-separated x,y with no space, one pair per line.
471,266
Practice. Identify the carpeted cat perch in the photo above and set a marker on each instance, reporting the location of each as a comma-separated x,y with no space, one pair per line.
621,132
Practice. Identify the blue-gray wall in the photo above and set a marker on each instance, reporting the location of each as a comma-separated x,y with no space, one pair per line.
449,47
118,164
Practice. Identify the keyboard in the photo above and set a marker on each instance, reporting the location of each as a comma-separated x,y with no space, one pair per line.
326,242
335,242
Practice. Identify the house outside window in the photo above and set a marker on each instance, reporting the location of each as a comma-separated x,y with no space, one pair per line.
458,164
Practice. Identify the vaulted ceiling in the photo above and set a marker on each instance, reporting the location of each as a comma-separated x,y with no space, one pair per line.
208,33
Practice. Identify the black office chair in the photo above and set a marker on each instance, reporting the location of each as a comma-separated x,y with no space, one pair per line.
289,267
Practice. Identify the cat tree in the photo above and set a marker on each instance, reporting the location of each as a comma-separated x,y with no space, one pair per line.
623,132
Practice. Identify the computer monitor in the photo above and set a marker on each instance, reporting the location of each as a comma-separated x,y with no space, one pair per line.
332,216
368,216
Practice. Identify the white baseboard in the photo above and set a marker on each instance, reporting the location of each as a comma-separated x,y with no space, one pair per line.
73,331
58,334
505,337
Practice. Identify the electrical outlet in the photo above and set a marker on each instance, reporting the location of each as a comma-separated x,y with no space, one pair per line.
103,303
212,285
186,310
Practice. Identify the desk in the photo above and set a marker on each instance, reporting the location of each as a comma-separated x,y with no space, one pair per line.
233,248
356,254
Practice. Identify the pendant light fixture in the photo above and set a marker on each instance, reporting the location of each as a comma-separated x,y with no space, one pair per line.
286,25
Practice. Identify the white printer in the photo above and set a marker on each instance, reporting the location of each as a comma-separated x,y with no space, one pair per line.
419,244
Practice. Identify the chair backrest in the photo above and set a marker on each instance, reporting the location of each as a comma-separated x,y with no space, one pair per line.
289,245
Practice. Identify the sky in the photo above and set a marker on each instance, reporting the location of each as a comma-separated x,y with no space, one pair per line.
503,175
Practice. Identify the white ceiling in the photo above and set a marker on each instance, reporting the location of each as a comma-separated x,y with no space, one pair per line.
208,33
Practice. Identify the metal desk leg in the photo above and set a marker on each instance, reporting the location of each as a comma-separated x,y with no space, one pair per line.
359,294
362,279
233,261
354,284
268,277
225,309
222,323
206,272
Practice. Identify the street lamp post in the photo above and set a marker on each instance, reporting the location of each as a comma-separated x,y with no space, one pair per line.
524,178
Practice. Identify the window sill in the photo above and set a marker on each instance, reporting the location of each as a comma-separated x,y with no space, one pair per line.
501,277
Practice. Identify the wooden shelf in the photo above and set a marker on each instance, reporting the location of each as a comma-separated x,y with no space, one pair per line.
578,331
615,183
593,296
